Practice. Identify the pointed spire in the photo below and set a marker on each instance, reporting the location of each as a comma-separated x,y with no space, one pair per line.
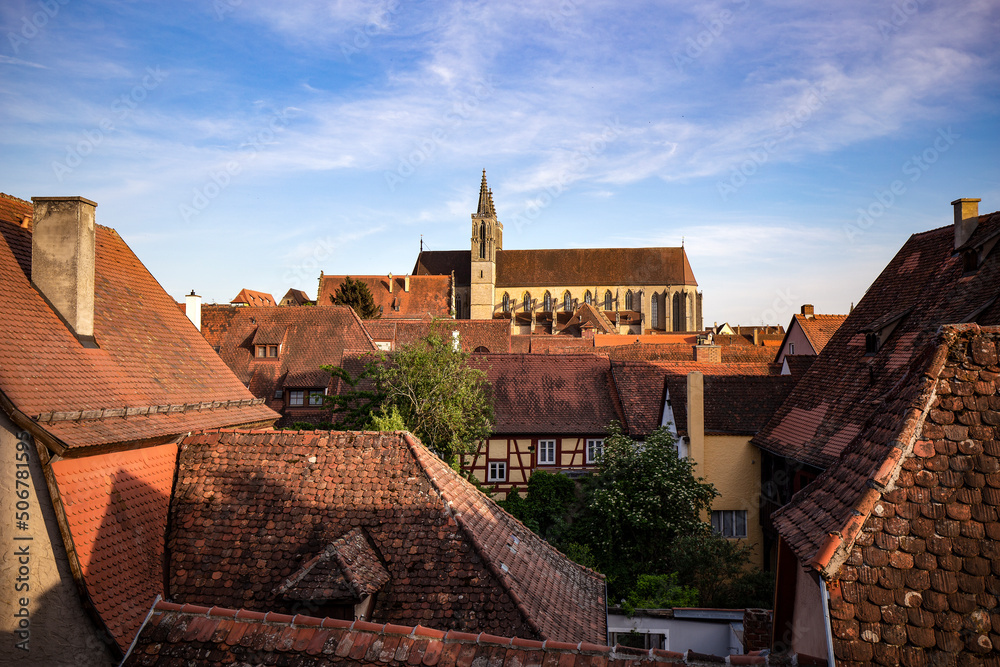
485,199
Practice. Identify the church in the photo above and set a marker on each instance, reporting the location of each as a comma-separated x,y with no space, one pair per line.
612,290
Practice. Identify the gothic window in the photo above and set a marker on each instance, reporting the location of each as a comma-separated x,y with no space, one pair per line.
654,312
506,302
482,240
567,302
587,298
547,300
526,302
607,300
628,300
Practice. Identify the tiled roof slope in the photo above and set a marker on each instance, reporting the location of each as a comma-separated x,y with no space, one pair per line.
819,329
309,338
116,508
840,393
594,266
640,388
494,335
152,377
295,297
735,403
443,262
683,352
428,296
348,569
14,210
254,298
203,637
251,508
589,316
905,525
536,394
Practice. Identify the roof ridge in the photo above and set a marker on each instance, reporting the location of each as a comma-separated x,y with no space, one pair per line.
136,411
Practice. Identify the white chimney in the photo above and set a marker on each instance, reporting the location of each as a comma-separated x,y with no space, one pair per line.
192,308
406,283
966,219
62,260
390,283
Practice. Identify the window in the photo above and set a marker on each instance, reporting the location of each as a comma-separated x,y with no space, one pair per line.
628,300
547,299
315,398
264,351
297,397
791,348
497,471
587,298
526,302
607,300
482,240
567,302
730,523
279,393
546,452
595,449
506,302
654,312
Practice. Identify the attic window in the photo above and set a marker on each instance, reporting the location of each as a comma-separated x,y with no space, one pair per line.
872,343
970,261
879,331
266,351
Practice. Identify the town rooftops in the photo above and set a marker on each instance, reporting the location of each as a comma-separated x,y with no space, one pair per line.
929,283
410,297
473,335
250,509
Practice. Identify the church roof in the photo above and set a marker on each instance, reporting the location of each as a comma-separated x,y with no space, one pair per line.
443,262
594,267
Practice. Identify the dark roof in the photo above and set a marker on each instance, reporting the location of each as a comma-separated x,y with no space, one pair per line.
443,262
843,389
428,296
251,508
684,352
538,394
153,376
587,316
295,297
309,338
494,335
253,298
594,266
904,523
347,570
640,391
798,364
204,637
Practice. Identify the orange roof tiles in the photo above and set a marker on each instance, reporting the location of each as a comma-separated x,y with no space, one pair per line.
251,508
927,282
250,297
116,508
493,335
428,296
203,637
819,329
16,211
150,357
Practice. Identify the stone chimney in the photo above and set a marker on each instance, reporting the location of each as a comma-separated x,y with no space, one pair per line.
406,283
192,308
62,260
390,283
966,219
696,418
808,310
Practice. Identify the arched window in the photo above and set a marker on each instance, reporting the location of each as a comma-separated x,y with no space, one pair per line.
628,300
482,240
526,302
547,301
587,298
607,299
567,302
506,302
654,312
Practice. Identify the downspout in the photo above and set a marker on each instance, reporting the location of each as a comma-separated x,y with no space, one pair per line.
825,595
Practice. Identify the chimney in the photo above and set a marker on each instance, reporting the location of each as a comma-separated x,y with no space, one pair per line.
406,283
696,418
966,219
708,354
808,310
62,260
390,282
193,309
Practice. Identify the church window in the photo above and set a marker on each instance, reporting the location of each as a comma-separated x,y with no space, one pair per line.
506,302
547,300
587,299
567,302
526,302
628,300
607,299
654,312
458,307
482,240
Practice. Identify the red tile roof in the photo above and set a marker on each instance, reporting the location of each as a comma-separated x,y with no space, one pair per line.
16,211
819,329
443,262
153,375
428,296
308,338
204,637
116,508
586,316
682,352
904,525
494,335
295,297
348,569
538,394
250,297
841,392
250,509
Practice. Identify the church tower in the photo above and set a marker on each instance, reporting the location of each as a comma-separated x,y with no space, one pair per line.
487,240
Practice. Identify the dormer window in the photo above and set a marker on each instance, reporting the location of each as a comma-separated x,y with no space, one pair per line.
266,351
872,343
879,331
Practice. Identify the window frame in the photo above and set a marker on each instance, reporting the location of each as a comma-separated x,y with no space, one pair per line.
499,476
567,302
315,393
726,523
505,300
297,398
595,450
547,302
526,302
608,303
553,451
629,300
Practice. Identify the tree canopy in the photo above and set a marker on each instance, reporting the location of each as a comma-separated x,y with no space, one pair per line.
356,294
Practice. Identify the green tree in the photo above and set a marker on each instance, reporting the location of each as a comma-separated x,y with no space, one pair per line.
426,386
720,569
356,294
644,497
660,591
545,506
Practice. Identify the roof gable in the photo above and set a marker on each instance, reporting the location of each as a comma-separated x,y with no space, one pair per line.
427,297
249,297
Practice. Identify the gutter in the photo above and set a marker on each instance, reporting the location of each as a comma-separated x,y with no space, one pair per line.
825,599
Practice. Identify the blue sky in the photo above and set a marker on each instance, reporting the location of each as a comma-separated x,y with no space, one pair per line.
245,143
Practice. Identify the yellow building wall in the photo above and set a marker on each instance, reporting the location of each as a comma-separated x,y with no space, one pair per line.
732,465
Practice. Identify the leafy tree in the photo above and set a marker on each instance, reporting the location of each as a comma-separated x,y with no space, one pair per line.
719,569
644,497
426,387
543,510
356,294
660,591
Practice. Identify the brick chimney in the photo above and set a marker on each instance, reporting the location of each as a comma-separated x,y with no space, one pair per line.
808,310
966,219
192,308
708,353
62,260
